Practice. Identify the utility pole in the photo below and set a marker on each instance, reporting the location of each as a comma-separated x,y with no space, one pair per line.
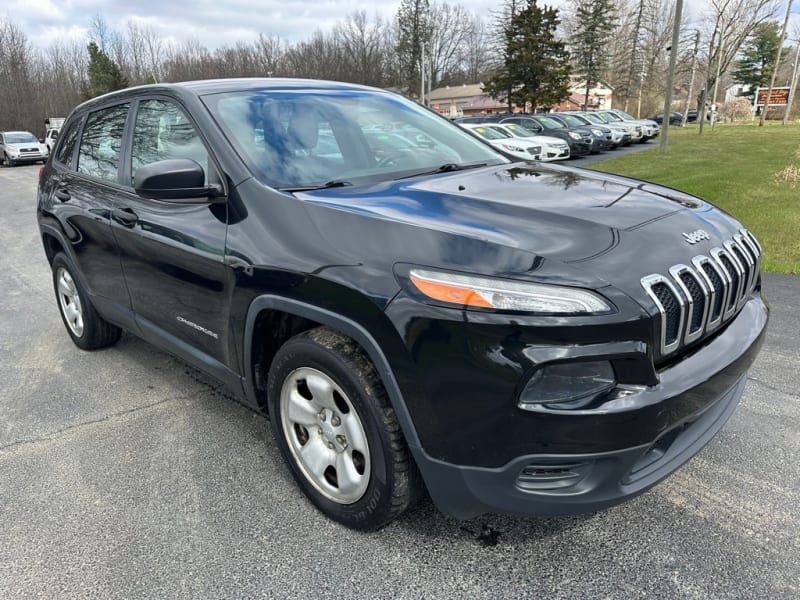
430,71
422,75
792,85
676,30
691,81
777,64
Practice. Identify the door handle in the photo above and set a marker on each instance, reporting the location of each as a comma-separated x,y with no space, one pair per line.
125,217
62,194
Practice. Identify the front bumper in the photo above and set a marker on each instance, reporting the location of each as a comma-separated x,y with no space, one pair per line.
621,448
579,147
28,157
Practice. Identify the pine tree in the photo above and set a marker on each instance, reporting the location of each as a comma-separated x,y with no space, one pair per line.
596,23
413,30
535,65
104,74
754,67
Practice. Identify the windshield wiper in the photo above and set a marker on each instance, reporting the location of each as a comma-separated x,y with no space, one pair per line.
445,168
334,183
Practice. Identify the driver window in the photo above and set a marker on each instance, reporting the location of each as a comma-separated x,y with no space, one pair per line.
162,132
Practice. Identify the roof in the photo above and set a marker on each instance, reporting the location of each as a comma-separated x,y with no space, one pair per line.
217,86
457,91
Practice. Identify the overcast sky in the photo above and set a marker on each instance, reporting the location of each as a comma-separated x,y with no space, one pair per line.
215,22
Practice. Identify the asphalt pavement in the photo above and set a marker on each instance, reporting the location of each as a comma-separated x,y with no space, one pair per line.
126,474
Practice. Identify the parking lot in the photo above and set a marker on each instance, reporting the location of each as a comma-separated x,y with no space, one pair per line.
124,474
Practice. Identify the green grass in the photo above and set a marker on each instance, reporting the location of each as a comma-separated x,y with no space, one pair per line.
734,167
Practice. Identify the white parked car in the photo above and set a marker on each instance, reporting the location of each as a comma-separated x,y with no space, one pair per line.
50,138
21,147
553,148
518,147
650,129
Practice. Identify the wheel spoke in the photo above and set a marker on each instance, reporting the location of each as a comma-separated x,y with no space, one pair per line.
322,391
72,312
301,410
354,433
317,457
347,477
64,287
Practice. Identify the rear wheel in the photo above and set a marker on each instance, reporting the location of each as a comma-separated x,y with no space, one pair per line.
88,330
338,432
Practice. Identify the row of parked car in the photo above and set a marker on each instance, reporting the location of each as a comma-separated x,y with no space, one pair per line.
19,147
558,136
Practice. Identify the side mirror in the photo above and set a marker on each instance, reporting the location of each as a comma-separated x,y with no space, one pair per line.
177,180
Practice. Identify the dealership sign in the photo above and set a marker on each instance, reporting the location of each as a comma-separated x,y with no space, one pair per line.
779,96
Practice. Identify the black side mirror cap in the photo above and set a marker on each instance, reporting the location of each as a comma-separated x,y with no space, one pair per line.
176,180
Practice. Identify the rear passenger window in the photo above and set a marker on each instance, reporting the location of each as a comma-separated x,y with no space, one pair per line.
102,142
67,145
162,132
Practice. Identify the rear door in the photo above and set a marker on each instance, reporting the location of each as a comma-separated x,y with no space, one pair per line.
172,253
82,192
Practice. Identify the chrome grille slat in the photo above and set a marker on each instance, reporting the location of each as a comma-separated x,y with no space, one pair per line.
696,299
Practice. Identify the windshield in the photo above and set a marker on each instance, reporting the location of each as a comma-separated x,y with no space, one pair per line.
550,123
489,133
22,137
574,121
502,131
610,117
594,118
625,116
311,137
519,130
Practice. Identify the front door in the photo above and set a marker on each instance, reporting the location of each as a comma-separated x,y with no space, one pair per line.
172,253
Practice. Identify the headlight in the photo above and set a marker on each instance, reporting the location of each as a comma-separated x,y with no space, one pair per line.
513,148
597,132
574,136
500,294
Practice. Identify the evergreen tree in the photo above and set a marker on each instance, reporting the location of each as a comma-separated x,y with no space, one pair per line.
754,67
596,21
413,30
535,65
103,74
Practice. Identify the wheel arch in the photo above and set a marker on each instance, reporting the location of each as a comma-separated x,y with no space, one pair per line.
52,245
293,317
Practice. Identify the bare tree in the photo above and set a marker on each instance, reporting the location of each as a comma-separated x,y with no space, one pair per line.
362,48
729,23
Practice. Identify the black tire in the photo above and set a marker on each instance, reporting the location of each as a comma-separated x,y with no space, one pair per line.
94,332
392,482
9,162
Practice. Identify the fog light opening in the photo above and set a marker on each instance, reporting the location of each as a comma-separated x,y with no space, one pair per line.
567,386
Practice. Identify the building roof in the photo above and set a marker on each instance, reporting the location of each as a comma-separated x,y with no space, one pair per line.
457,92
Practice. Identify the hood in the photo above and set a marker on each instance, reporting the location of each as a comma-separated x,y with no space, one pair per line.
546,139
595,222
24,145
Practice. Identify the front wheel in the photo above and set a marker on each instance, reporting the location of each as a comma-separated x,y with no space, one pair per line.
338,432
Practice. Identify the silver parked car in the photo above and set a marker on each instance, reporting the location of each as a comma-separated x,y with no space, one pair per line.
21,147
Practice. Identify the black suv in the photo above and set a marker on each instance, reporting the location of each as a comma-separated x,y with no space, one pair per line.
510,336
